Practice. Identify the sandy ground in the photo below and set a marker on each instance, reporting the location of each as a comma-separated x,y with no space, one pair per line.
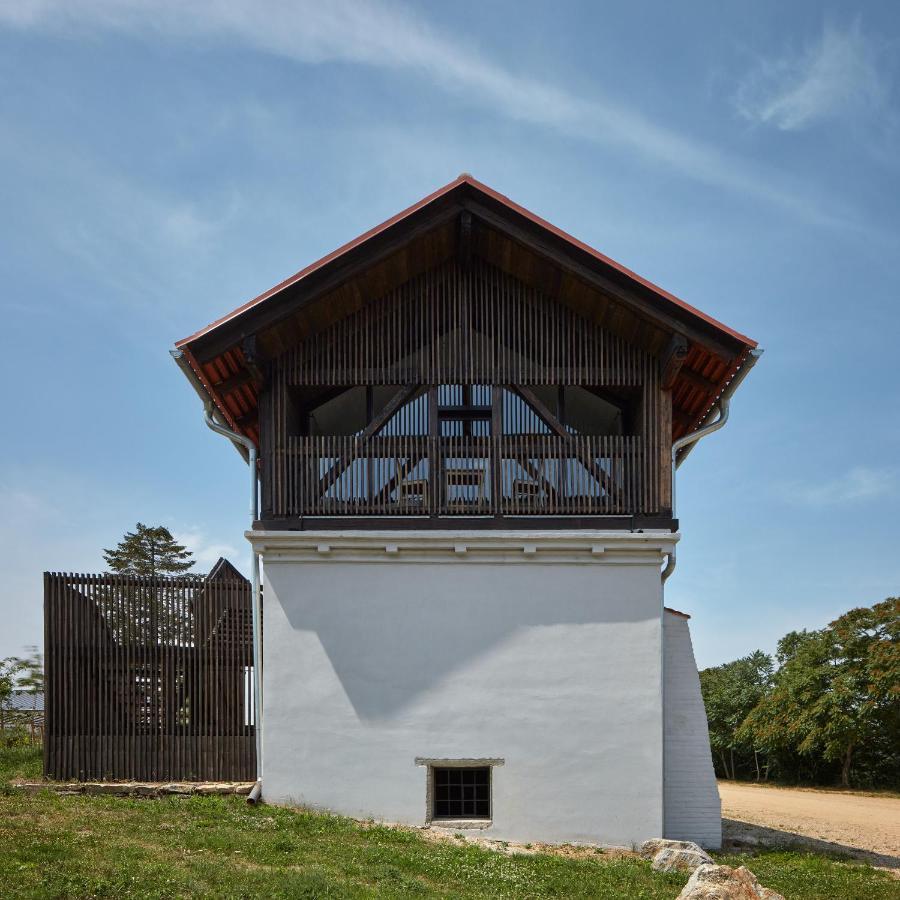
864,826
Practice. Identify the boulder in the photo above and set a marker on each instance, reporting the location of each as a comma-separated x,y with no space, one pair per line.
650,848
669,856
711,882
680,860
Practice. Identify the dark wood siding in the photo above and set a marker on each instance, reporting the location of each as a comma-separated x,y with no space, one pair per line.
476,330
148,678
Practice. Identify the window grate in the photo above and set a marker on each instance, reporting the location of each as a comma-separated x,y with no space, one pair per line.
462,793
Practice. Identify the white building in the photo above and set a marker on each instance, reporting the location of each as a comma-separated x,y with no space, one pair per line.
465,422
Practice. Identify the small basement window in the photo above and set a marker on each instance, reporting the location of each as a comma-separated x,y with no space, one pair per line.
461,792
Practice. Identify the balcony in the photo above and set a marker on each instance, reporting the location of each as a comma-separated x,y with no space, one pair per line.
453,478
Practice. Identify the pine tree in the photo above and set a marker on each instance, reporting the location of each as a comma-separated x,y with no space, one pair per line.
149,551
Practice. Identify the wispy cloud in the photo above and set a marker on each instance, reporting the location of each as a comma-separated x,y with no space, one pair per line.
126,219
859,484
207,549
836,75
389,36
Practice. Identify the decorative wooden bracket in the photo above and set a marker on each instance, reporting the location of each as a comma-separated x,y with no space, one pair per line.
672,360
252,358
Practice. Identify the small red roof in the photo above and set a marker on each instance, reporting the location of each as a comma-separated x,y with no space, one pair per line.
676,612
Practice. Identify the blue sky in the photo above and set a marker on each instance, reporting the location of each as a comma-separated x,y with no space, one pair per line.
162,162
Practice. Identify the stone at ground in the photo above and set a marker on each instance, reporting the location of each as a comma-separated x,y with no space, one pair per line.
669,856
650,848
711,882
679,860
135,788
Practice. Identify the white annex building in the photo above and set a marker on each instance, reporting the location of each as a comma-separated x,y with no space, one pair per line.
465,426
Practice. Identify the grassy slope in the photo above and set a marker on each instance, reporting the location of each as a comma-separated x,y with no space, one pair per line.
20,762
103,846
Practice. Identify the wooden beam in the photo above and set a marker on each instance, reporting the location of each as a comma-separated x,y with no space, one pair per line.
496,434
665,450
464,413
316,284
544,413
403,396
559,429
399,476
656,311
239,379
673,359
622,522
464,244
699,380
434,451
536,474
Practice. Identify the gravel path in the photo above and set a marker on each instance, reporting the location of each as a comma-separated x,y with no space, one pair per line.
866,826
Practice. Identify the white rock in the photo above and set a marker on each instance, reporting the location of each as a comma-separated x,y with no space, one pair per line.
680,860
711,882
650,848
668,855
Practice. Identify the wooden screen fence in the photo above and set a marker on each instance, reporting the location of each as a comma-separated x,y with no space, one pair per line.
148,679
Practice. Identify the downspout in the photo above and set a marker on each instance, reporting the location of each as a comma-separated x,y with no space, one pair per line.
680,450
245,442
686,443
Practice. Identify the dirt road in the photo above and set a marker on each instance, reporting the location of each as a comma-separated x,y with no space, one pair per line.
866,826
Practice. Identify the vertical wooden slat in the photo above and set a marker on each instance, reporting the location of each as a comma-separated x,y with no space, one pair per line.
124,656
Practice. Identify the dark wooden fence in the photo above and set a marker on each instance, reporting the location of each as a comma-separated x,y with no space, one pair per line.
149,678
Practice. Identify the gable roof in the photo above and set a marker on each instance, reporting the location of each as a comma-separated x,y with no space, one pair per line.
223,354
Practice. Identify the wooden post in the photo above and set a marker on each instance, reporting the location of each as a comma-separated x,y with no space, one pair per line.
665,451
434,455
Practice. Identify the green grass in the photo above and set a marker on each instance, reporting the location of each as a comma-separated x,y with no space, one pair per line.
81,846
20,762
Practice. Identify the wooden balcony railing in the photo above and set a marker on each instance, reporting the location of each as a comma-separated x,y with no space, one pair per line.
510,475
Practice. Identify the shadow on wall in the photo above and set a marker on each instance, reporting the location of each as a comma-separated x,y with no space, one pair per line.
393,633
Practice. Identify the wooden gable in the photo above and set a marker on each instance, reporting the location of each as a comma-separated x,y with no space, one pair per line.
469,228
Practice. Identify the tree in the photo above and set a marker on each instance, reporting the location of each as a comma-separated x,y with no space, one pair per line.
9,670
149,551
837,689
30,672
730,692
149,610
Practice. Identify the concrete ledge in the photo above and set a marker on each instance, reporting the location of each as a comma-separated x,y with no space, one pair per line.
465,547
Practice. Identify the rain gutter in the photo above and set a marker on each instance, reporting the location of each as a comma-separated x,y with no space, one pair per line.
246,446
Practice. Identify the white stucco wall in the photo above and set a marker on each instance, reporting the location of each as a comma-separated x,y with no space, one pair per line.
541,650
693,811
